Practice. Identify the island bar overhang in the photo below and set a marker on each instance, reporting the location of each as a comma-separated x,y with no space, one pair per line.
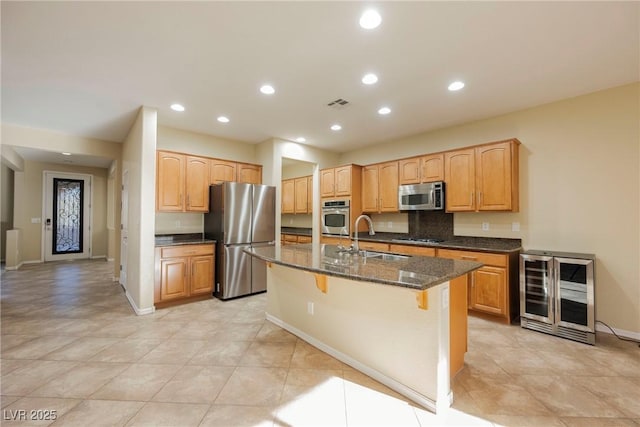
397,335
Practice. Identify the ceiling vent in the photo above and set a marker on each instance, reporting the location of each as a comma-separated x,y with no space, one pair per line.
338,103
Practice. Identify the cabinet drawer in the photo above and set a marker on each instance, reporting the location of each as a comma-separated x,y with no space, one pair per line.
186,250
374,246
304,239
290,238
483,257
412,250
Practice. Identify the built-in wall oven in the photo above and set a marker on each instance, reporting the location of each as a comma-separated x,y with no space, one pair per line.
335,217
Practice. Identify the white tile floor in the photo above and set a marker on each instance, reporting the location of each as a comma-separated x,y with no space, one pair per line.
71,344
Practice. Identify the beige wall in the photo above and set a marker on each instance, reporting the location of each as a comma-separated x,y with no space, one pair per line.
28,204
138,162
579,186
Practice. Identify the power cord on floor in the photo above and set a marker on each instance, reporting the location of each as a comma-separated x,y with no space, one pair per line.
618,336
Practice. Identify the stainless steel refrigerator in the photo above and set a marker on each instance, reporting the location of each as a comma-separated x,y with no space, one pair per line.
240,216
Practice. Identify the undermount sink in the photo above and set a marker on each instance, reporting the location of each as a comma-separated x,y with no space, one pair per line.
383,256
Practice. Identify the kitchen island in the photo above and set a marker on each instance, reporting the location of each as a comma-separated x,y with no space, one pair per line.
390,317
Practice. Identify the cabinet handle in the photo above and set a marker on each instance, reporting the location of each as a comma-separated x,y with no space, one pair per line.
188,200
480,198
471,199
469,258
180,198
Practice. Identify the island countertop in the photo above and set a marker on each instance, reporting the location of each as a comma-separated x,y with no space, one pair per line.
415,272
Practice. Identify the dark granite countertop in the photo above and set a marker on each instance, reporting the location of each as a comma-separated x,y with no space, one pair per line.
182,239
416,272
300,231
480,244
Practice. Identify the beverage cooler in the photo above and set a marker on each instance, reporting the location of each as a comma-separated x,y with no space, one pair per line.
557,294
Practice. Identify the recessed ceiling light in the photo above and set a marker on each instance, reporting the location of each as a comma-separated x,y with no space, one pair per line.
267,90
300,139
177,107
66,153
370,19
384,110
336,127
223,119
369,79
456,86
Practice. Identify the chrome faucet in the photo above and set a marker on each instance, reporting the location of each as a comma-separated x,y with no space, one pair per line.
356,248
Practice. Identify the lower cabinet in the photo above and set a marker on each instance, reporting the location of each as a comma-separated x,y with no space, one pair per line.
493,288
292,239
183,272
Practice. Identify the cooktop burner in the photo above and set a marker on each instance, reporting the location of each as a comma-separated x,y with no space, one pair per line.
419,240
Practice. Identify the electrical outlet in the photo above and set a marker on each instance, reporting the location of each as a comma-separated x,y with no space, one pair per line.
310,308
485,226
389,224
515,226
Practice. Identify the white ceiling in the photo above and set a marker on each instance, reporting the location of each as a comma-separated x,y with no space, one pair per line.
84,68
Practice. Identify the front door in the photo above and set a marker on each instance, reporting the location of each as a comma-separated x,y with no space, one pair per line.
67,216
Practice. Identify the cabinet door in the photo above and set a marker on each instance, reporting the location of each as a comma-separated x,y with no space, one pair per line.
170,182
370,188
432,168
388,187
327,183
288,196
343,181
173,278
488,290
197,184
250,174
310,194
409,171
202,274
301,195
221,171
459,176
493,177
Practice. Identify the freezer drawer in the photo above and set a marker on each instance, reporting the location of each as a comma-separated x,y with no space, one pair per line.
233,278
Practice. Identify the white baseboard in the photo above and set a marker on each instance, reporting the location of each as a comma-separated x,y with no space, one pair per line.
15,267
621,332
408,392
110,259
139,311
98,257
33,261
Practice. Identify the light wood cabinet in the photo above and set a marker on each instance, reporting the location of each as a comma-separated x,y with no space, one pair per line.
310,194
170,179
416,170
289,239
493,289
249,173
288,190
380,187
301,196
197,184
182,183
328,240
483,178
221,171
412,250
342,181
182,272
373,246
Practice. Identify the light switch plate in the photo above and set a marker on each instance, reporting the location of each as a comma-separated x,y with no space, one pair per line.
515,226
35,220
485,226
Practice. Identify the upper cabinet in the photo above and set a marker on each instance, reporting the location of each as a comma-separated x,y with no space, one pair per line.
182,180
248,173
288,196
342,181
221,171
380,187
170,178
483,178
197,184
295,195
416,170
182,183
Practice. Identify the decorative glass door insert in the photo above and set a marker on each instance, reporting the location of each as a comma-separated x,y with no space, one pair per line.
68,205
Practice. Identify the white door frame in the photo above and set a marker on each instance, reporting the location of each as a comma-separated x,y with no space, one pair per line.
47,207
124,228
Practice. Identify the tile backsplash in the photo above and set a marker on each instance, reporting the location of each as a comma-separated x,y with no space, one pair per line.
179,223
431,224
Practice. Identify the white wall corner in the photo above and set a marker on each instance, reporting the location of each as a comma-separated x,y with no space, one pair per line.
139,311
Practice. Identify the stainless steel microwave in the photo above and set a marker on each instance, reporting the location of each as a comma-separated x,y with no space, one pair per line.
421,197
335,217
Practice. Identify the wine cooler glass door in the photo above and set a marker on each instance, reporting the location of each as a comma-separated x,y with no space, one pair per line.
536,289
574,306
